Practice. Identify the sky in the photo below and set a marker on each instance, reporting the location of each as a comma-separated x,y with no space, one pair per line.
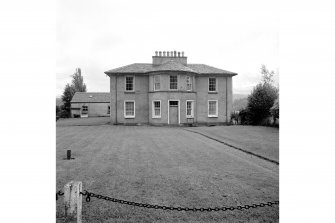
100,35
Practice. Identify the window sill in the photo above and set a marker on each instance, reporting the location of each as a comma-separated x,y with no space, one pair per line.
129,92
212,116
212,92
189,117
129,116
156,117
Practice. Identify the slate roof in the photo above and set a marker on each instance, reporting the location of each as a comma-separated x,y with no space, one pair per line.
142,68
93,97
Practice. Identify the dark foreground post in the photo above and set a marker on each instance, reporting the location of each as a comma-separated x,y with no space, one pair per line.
68,154
73,201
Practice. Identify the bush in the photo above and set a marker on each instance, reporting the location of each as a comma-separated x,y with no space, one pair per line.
64,114
234,117
260,101
244,117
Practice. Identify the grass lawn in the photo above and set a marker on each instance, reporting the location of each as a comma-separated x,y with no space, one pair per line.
164,166
260,140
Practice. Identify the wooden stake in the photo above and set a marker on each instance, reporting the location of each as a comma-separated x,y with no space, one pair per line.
73,201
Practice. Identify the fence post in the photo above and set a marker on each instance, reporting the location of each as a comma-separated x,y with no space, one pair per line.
73,201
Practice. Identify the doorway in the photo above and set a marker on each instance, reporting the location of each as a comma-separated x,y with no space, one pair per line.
173,112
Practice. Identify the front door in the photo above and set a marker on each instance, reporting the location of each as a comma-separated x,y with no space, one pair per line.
173,113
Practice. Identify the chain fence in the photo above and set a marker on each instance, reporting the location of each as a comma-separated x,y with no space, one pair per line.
89,195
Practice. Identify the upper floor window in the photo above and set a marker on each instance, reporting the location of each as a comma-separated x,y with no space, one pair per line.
188,83
129,83
212,84
129,109
173,82
157,82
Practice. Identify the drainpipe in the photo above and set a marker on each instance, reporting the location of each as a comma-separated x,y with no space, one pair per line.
226,100
116,99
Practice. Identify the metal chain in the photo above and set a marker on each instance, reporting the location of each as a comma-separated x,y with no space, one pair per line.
145,205
59,193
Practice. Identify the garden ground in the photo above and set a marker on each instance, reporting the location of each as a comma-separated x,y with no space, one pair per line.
164,166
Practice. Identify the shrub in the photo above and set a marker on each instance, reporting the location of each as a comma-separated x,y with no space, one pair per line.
234,117
260,101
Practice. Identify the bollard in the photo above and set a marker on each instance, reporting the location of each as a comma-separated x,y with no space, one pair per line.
73,201
68,154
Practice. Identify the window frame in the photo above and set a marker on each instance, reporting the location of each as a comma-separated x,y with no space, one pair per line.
159,76
153,109
125,83
216,110
124,109
216,84
191,83
192,109
170,82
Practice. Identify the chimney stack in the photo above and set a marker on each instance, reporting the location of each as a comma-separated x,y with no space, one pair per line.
162,57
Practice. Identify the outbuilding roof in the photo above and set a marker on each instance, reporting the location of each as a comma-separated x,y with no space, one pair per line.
91,97
142,68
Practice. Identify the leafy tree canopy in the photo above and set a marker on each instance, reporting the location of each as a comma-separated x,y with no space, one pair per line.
262,98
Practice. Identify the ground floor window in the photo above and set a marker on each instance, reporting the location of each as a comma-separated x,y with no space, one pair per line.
129,109
212,108
189,109
156,109
109,109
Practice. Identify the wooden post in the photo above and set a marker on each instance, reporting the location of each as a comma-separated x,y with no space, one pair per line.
68,154
73,201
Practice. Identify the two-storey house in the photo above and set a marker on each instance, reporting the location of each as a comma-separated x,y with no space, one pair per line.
170,91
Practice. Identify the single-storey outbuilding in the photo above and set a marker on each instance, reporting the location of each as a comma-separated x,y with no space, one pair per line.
90,104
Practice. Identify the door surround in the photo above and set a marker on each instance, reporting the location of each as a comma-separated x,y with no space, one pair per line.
178,110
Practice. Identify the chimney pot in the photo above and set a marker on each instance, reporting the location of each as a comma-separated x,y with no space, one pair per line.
182,54
164,53
175,54
160,53
156,53
171,55
168,53
178,54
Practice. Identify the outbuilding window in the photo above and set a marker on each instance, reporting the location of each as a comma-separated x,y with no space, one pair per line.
84,109
129,83
212,84
212,108
173,82
156,109
129,109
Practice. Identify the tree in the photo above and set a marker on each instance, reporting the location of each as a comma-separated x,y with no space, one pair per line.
66,98
77,85
262,98
78,81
